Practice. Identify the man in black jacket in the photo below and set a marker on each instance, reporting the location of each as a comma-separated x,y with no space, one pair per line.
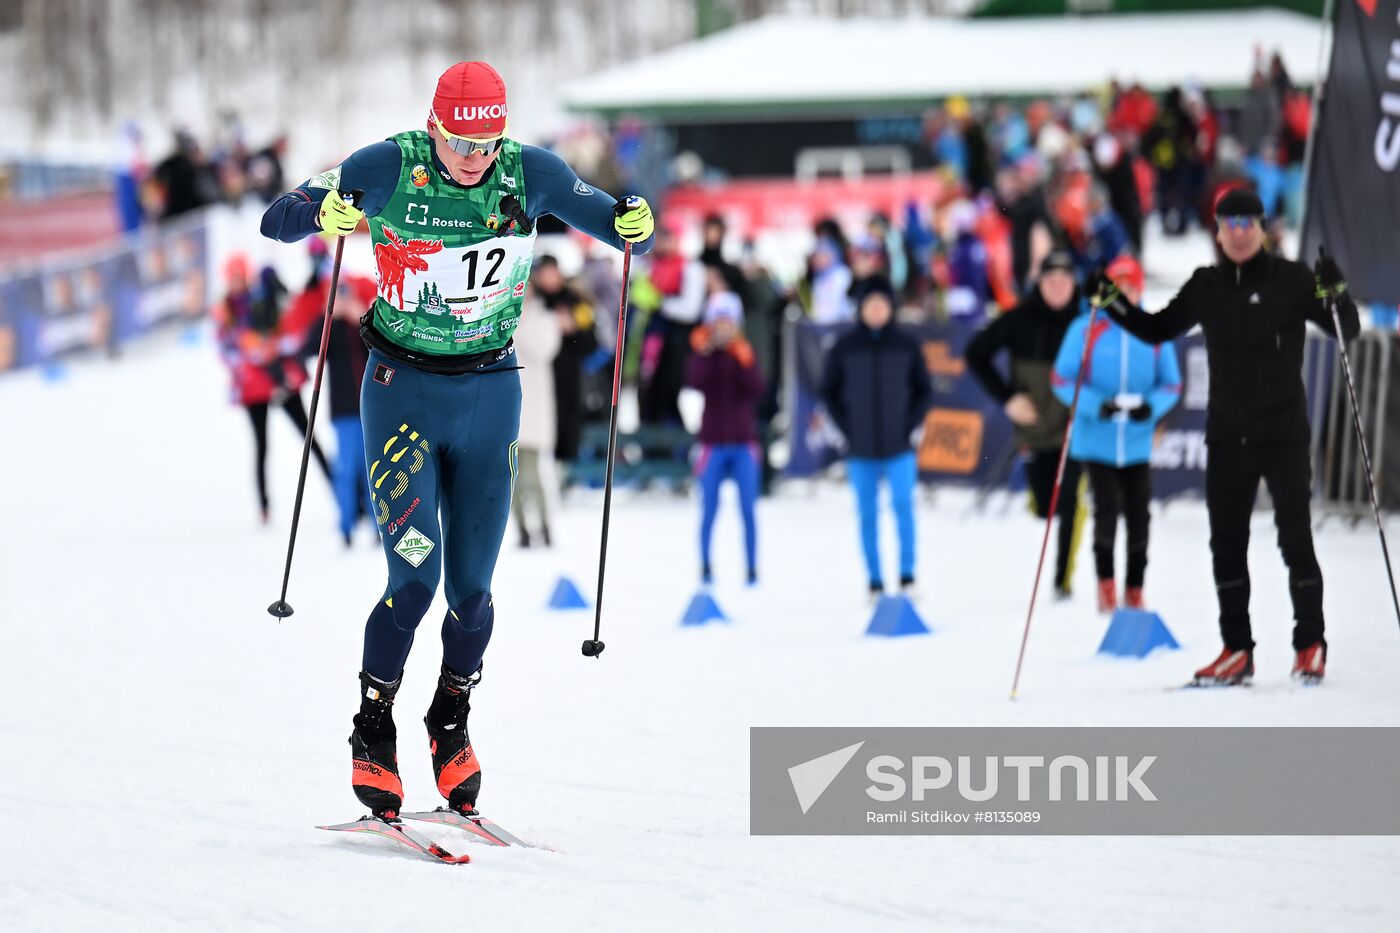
1031,334
876,388
1252,307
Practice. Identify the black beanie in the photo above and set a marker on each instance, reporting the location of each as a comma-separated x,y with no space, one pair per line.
875,285
1239,202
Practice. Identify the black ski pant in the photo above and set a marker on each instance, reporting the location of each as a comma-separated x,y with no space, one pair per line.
1121,491
1040,468
1232,481
257,414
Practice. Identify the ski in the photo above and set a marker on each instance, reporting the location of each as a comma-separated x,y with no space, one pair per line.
395,830
473,823
1247,686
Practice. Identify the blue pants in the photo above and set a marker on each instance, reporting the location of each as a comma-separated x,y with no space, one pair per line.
900,472
351,483
718,462
440,452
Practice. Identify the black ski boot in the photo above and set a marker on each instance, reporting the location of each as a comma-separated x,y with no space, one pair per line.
455,765
374,758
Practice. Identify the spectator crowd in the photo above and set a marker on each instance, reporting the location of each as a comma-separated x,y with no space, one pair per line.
194,175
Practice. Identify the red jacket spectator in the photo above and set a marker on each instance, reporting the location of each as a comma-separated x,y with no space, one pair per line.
260,355
1135,111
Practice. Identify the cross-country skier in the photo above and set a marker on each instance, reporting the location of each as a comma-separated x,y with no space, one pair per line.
450,210
1252,307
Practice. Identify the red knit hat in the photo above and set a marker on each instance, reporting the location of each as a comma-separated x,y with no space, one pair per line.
237,268
470,101
1125,270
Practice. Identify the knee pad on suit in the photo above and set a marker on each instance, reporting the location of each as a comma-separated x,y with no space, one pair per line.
407,606
473,614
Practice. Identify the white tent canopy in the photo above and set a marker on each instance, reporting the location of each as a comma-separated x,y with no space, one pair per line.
782,61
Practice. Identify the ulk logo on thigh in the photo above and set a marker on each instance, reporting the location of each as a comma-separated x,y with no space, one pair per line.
414,546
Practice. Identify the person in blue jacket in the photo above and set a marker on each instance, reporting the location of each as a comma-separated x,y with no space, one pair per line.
1128,387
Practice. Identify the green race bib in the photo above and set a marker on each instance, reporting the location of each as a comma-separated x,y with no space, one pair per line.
452,269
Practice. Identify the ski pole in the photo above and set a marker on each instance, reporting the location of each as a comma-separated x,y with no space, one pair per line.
1361,441
592,647
281,608
1055,494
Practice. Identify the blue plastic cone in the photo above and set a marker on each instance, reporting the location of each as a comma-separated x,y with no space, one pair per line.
567,596
895,615
702,610
1134,633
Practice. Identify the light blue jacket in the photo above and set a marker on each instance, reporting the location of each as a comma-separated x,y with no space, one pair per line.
1118,364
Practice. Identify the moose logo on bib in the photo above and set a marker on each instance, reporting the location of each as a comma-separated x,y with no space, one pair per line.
395,258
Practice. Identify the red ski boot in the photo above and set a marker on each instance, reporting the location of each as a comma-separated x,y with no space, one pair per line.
373,748
1231,669
1311,663
455,765
1108,597
1132,598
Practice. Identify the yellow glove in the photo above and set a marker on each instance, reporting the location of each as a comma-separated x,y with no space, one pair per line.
632,219
337,215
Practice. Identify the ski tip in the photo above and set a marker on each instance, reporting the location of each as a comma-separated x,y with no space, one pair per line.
442,855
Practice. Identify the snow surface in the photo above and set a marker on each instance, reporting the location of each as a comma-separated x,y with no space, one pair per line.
167,746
